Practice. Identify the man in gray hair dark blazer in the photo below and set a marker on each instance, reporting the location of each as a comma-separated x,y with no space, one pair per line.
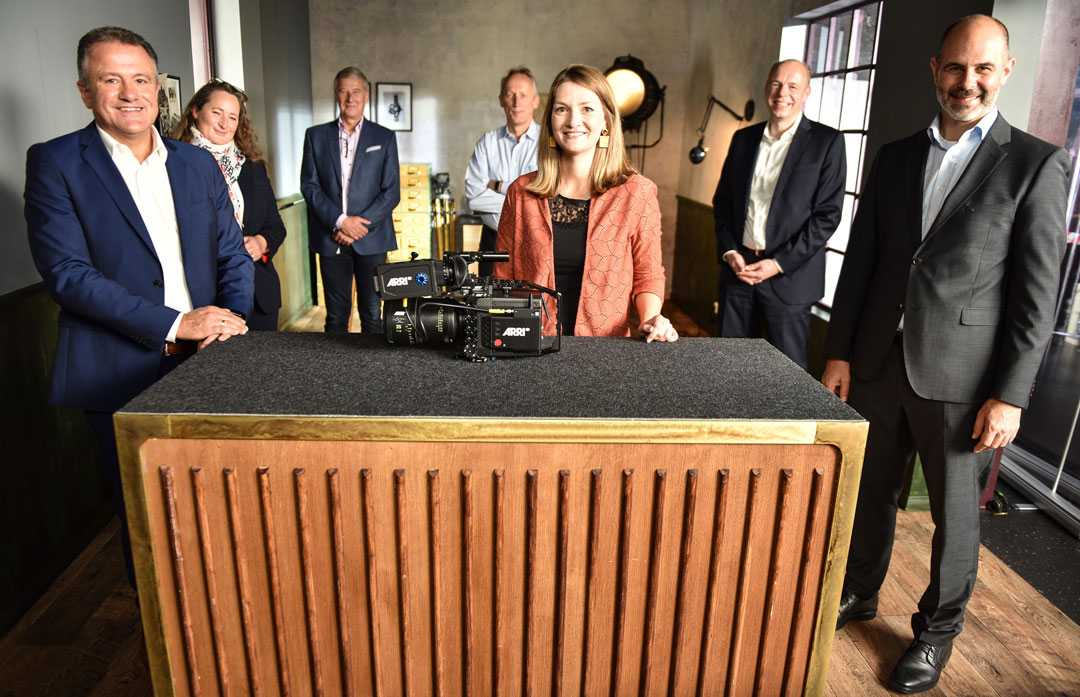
942,313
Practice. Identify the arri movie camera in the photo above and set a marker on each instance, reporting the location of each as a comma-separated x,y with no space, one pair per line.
441,303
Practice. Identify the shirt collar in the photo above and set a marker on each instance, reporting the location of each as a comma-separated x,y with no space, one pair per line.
532,132
115,147
978,132
342,130
786,135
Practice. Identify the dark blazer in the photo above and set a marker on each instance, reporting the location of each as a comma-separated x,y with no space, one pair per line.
804,212
374,188
95,256
978,293
261,217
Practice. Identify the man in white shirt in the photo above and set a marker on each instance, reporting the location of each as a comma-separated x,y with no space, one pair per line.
135,239
350,179
504,154
771,224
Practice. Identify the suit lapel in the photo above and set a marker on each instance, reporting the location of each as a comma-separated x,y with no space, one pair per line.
368,138
333,145
986,159
795,151
179,182
97,157
913,175
747,178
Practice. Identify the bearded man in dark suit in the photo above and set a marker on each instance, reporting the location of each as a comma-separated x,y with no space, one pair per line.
942,313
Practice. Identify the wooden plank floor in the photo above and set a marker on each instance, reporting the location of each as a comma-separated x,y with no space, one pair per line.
83,637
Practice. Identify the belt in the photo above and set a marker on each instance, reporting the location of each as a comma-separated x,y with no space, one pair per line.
177,348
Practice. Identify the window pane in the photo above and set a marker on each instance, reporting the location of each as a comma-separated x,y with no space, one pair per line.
869,99
853,151
839,33
792,42
863,35
813,102
833,262
839,239
832,94
818,47
856,90
862,167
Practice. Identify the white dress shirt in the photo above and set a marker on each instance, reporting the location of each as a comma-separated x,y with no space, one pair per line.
347,144
148,182
501,157
946,162
770,160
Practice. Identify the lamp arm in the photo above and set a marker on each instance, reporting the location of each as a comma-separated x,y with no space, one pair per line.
708,113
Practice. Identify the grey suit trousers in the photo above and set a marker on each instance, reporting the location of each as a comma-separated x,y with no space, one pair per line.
902,423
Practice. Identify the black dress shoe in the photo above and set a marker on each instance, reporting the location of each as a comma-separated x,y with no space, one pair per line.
919,668
855,609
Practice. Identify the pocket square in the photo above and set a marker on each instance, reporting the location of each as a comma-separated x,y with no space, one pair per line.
373,147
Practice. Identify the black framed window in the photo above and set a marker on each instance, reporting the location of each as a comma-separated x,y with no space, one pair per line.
841,49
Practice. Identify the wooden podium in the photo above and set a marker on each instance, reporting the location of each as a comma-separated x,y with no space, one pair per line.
318,515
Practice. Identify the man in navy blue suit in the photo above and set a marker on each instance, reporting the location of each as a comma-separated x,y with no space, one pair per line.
135,239
349,178
777,203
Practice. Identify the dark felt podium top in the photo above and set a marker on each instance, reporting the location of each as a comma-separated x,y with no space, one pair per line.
267,373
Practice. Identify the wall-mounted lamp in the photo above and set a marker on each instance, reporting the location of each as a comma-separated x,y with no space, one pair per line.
699,151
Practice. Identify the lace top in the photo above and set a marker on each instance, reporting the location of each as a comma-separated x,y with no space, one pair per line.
569,210
570,225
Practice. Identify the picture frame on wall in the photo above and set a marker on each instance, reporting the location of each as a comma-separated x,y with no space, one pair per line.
393,105
170,104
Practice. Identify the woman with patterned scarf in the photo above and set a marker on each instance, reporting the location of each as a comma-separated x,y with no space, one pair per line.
216,120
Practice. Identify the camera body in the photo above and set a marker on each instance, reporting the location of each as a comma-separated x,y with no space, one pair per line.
441,303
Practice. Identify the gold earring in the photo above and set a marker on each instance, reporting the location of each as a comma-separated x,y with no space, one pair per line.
604,139
551,142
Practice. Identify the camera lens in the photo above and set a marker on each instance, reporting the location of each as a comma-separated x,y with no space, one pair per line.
425,323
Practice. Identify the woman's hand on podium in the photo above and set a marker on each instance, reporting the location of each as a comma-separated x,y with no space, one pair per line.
658,328
837,377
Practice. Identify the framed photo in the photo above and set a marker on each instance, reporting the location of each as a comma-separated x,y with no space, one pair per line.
393,105
170,106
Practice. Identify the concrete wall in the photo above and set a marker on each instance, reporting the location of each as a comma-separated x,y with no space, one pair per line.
732,45
1025,20
455,54
38,99
1056,75
286,89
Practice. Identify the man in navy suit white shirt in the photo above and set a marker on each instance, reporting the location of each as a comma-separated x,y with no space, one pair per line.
350,180
135,239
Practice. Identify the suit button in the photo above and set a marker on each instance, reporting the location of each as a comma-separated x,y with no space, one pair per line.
158,283
900,307
915,261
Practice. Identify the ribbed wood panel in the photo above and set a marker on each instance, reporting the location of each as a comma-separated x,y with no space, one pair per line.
419,569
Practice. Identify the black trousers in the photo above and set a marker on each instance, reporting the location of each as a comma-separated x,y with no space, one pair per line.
262,321
901,423
101,423
742,307
338,272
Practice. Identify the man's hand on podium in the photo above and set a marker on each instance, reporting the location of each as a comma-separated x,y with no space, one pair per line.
837,377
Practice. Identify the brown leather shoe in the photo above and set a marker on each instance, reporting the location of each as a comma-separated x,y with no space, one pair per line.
855,609
919,669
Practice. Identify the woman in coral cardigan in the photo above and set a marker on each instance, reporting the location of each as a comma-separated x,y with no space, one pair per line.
586,223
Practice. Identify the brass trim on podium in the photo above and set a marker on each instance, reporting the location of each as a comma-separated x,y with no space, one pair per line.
133,430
